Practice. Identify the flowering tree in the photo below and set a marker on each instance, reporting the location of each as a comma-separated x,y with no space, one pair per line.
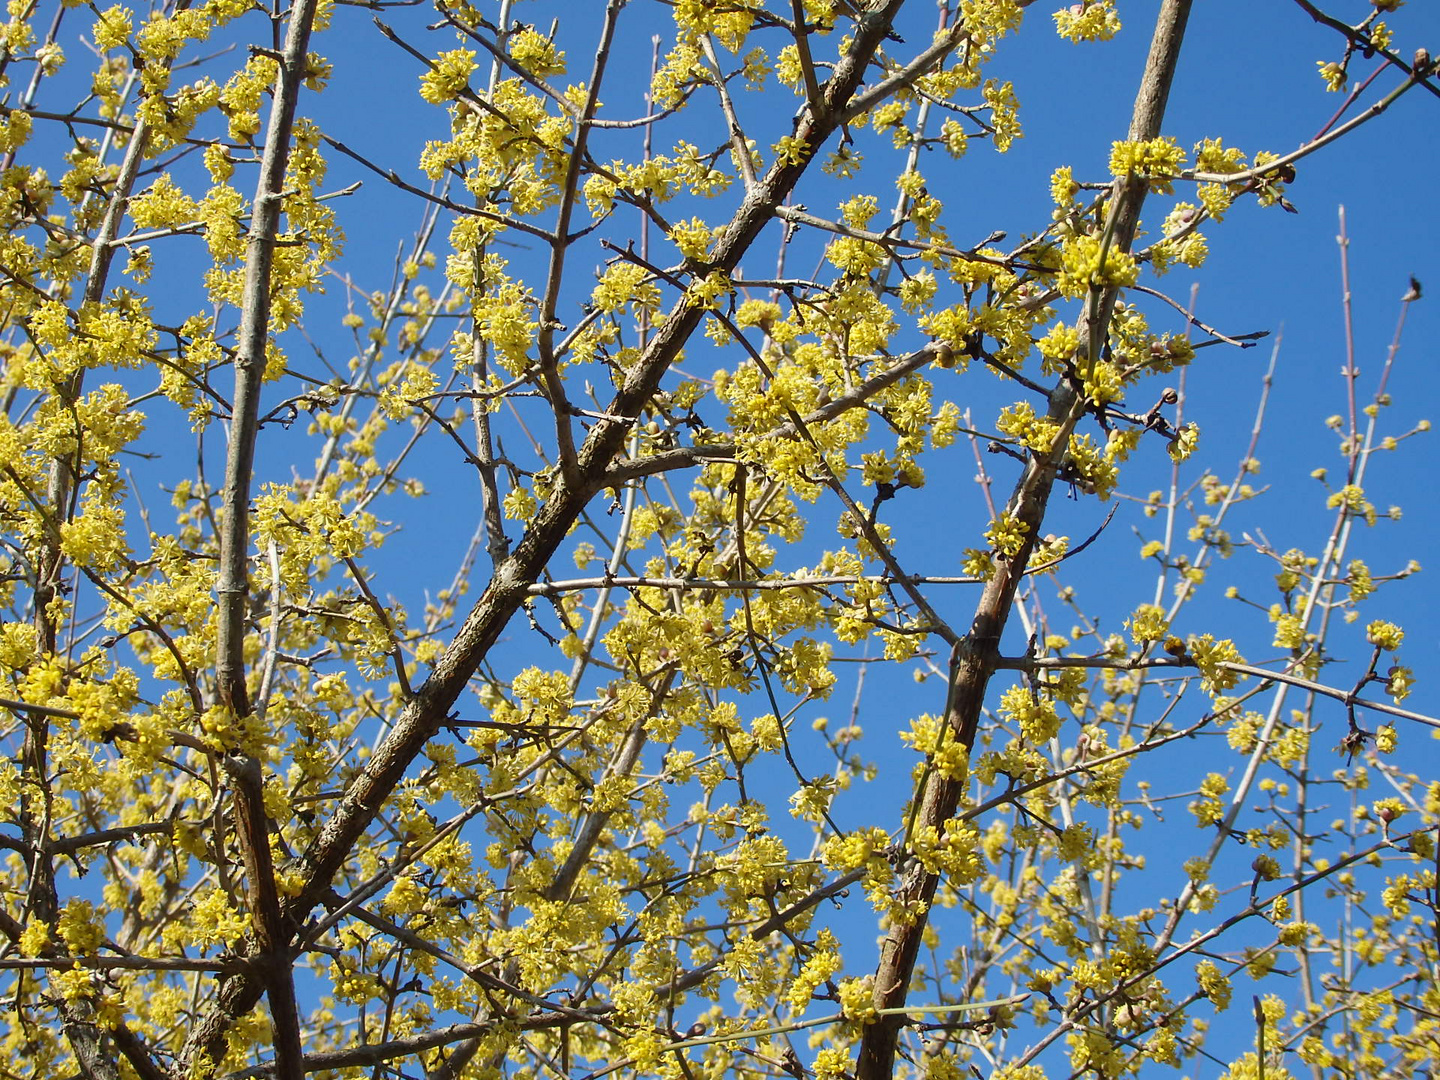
278,803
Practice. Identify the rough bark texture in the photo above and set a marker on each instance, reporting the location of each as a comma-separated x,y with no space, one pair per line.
270,947
975,656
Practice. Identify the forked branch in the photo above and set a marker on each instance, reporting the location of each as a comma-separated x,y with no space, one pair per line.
270,946
975,656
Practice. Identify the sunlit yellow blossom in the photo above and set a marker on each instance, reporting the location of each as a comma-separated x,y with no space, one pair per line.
1384,634
448,77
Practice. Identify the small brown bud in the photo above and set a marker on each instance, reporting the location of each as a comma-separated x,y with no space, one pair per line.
1170,395
1421,63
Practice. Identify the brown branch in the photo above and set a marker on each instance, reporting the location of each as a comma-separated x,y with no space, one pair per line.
1083,1010
499,55
906,76
141,1059
893,243
1353,35
118,963
807,62
560,244
1270,168
72,844
270,944
397,657
509,586
1044,663
975,655
683,584
1241,341
379,1053
15,705
497,543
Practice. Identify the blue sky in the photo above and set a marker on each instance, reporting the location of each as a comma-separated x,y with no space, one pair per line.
1247,74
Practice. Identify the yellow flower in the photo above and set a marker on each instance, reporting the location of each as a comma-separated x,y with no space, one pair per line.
1063,187
214,921
791,150
705,292
538,54
1334,75
1149,623
1093,21
1039,723
1208,655
1081,267
1006,534
112,27
1384,634
449,76
1004,112
692,237
1156,161
1184,443
34,938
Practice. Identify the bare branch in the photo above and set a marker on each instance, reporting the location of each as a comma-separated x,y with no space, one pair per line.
233,587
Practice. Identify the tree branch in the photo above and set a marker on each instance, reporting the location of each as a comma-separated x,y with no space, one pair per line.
271,937
975,655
